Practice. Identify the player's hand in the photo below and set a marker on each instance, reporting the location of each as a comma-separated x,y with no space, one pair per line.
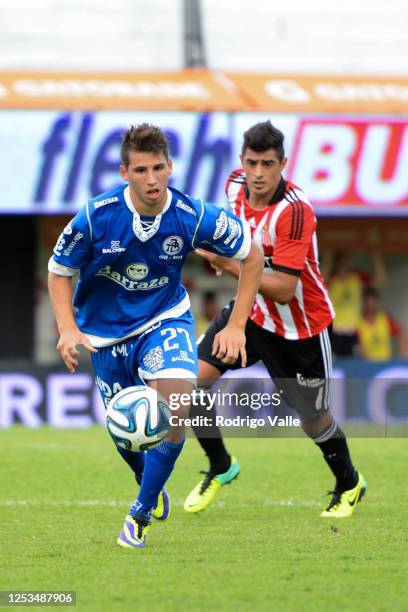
229,344
67,347
220,264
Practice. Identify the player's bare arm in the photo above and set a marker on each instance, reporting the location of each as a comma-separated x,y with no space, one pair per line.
61,293
278,286
229,343
275,285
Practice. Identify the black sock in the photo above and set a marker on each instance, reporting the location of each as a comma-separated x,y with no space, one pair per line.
337,456
211,440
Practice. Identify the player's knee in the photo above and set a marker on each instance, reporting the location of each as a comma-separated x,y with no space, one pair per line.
315,422
207,374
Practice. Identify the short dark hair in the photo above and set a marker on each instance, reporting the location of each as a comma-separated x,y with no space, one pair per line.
144,138
263,136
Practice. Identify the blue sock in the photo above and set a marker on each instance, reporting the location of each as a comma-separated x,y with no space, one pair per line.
159,465
135,460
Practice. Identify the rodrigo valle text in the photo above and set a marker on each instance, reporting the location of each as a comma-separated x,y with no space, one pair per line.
221,421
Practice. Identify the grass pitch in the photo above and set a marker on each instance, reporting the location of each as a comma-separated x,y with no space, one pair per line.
262,546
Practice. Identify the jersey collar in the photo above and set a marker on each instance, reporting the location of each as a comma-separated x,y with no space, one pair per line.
141,229
132,209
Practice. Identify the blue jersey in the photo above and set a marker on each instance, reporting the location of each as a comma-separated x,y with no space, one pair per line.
130,266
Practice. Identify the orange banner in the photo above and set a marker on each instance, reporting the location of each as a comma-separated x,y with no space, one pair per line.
335,94
198,90
203,90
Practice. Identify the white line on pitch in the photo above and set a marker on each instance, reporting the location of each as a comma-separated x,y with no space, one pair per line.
10,503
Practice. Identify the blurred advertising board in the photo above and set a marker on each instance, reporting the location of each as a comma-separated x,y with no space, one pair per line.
346,164
203,90
324,93
36,395
197,90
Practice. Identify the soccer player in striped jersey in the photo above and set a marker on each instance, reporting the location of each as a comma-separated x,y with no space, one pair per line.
289,327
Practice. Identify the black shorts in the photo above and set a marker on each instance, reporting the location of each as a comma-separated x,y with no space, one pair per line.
300,368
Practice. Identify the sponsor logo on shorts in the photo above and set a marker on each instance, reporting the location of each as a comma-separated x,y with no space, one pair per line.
119,349
183,356
108,390
309,382
154,360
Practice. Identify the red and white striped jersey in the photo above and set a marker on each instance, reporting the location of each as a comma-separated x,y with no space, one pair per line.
286,231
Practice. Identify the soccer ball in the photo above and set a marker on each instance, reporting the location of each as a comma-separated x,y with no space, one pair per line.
137,418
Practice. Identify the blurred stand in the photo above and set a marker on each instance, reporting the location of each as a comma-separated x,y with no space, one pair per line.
209,310
377,329
346,285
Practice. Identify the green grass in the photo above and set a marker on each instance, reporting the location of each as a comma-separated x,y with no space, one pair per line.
262,546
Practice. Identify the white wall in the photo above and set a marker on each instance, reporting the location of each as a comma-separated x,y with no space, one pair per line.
90,34
325,36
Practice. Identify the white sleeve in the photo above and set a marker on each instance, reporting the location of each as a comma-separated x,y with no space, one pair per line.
59,269
246,243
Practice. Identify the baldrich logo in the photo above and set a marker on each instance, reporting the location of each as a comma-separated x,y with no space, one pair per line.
172,245
137,271
114,247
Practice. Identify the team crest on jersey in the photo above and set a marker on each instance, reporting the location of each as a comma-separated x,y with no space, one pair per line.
137,271
172,245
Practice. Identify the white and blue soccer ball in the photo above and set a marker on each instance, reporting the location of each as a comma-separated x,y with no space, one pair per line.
137,418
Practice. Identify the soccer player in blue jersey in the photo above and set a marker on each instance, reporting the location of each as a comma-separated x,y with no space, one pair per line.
130,309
